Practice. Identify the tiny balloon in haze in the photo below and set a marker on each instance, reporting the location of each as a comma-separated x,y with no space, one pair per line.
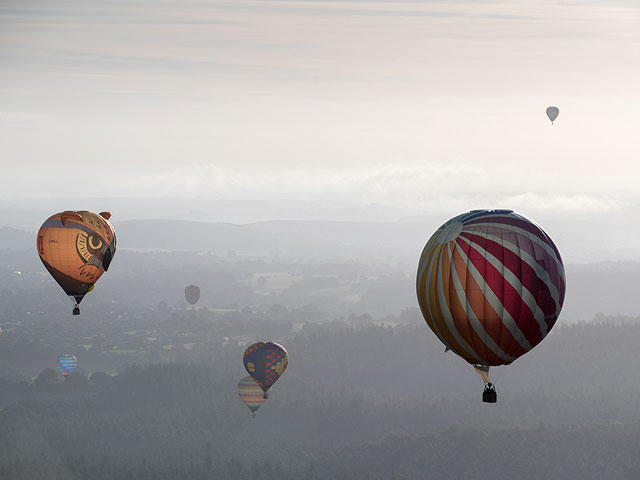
77,247
192,294
552,113
67,363
265,362
251,394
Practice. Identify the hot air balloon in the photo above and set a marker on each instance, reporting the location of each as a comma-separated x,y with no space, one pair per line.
251,394
552,113
192,294
67,364
490,285
77,248
265,362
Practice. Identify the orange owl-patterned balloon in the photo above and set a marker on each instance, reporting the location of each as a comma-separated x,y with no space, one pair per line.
77,248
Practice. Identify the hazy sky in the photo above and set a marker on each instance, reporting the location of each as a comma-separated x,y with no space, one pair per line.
414,103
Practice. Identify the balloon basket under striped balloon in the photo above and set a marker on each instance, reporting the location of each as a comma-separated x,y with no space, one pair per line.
489,395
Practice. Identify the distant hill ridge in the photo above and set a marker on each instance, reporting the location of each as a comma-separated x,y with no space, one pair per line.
268,236
14,239
314,237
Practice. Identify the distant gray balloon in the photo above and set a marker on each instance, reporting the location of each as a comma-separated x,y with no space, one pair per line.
552,113
192,294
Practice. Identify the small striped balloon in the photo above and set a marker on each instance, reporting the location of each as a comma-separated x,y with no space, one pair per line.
67,364
251,394
490,285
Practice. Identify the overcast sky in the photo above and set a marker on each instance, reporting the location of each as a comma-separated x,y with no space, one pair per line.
415,104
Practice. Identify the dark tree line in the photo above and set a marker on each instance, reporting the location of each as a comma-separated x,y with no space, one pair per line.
370,402
566,452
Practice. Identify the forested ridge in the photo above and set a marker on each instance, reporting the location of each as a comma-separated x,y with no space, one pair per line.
365,402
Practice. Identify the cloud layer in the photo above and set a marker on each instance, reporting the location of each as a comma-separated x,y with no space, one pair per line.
404,103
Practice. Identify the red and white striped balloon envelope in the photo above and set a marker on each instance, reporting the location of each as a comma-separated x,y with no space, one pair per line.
490,285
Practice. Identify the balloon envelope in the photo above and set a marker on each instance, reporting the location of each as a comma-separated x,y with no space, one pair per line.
265,362
490,285
552,113
192,294
77,247
251,393
67,364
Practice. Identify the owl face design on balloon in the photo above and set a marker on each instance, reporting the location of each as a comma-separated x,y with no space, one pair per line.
95,246
91,249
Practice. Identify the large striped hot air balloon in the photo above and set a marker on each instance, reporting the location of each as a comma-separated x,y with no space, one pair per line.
77,247
490,285
251,394
265,362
